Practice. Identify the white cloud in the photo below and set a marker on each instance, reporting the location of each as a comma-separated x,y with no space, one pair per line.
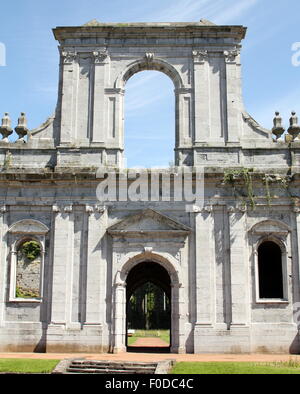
138,82
181,10
137,102
234,10
145,89
219,11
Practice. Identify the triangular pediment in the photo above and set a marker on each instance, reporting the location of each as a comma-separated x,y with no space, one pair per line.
148,222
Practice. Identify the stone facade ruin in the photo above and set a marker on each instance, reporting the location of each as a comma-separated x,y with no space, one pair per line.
229,260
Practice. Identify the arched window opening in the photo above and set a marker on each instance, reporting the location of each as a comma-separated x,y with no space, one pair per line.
270,270
28,269
149,120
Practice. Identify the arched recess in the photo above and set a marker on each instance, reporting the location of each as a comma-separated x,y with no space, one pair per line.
31,233
177,302
183,117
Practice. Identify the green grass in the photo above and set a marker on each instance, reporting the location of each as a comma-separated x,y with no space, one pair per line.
228,368
22,365
162,334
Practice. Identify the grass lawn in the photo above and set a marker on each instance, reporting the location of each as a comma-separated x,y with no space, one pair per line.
229,368
22,365
162,334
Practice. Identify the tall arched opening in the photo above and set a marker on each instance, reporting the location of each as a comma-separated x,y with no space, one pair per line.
148,308
149,120
182,133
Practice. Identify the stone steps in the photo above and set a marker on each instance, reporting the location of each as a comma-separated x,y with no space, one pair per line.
104,367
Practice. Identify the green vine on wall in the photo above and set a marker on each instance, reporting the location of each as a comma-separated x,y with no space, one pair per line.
7,160
246,176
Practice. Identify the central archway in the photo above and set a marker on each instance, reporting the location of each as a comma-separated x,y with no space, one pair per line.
172,271
148,308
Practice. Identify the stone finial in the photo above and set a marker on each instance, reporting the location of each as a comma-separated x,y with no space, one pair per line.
294,128
277,130
22,129
5,128
6,122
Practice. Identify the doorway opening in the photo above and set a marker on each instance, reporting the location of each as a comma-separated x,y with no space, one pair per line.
148,309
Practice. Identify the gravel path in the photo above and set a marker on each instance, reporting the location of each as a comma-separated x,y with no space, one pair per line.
148,357
149,342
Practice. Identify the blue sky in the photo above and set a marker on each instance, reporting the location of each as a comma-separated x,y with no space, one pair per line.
29,80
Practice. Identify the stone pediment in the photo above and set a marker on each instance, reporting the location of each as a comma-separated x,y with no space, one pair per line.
150,223
270,227
28,226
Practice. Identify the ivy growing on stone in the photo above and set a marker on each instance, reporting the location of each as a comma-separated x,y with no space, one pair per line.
245,175
31,250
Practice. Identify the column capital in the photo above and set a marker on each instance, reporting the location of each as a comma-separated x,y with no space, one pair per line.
200,56
62,208
202,209
100,56
55,208
67,208
230,56
69,56
236,209
90,209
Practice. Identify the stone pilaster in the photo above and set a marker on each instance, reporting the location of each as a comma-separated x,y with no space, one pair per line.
115,117
201,96
98,96
96,267
239,278
184,124
63,249
222,267
119,315
297,215
233,92
3,261
69,66
204,270
178,313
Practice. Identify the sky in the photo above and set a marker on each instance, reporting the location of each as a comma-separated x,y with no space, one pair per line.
29,62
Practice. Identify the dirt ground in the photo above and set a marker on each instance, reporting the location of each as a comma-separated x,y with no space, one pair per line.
150,357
